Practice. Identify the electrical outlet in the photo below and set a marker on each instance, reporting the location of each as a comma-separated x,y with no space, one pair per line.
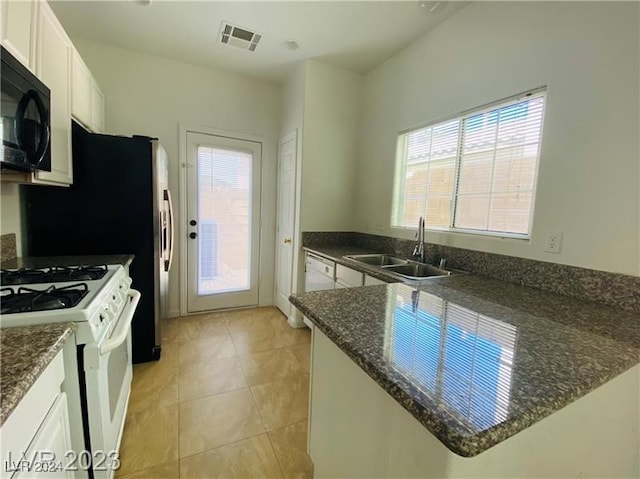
553,244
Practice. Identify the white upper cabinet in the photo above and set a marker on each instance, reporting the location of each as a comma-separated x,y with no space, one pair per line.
97,108
17,25
87,99
31,32
81,98
53,67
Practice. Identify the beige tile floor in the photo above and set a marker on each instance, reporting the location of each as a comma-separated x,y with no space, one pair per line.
229,398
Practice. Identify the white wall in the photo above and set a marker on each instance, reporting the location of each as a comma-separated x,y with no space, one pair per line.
150,96
10,213
293,101
589,179
332,108
324,104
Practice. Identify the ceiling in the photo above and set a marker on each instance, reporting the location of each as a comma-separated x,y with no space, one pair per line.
356,35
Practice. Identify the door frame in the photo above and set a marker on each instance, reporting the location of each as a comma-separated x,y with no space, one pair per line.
183,129
293,135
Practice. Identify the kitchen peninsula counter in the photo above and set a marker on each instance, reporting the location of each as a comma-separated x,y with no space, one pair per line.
25,352
472,359
50,261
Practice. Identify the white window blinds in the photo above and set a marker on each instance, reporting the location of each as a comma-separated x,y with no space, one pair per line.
224,219
430,166
474,173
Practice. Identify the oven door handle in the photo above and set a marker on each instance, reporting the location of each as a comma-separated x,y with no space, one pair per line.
124,324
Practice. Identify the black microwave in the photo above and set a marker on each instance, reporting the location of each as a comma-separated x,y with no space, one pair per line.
26,118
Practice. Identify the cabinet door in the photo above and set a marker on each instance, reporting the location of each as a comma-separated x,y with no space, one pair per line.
81,85
51,442
53,60
97,108
18,27
349,277
370,280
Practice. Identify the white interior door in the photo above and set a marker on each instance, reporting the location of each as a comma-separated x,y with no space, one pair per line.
223,221
285,221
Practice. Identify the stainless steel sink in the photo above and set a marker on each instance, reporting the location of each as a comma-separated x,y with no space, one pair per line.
377,259
414,270
403,269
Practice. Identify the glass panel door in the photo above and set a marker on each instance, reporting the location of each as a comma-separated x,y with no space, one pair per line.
223,204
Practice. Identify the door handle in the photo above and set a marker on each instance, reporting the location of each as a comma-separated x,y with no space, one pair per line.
36,155
287,241
193,235
167,262
124,324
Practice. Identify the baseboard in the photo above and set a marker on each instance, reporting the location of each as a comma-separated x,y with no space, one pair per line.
296,321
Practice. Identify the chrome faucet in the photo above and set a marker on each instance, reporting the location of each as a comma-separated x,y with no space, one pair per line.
418,250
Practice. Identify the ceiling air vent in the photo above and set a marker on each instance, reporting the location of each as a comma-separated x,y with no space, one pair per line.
239,37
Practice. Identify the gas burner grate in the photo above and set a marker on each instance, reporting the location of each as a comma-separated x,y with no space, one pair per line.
21,276
52,275
77,273
27,299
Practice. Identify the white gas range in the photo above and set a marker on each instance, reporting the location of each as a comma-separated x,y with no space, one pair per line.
100,301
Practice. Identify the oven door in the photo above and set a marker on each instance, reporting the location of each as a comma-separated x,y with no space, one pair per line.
108,374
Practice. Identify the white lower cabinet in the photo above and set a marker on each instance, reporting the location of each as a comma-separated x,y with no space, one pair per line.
356,429
51,444
43,434
348,278
371,281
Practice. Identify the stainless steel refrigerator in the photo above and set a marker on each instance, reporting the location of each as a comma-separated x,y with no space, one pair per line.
119,203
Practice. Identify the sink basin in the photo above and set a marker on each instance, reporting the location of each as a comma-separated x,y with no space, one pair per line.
416,270
377,259
403,269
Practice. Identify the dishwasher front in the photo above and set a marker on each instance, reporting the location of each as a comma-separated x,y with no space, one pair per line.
319,275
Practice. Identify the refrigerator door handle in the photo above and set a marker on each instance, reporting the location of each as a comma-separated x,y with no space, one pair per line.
169,260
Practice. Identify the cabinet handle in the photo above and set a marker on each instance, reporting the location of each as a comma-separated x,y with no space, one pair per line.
287,241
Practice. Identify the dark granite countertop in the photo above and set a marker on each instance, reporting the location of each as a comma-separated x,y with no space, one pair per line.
48,261
476,360
25,352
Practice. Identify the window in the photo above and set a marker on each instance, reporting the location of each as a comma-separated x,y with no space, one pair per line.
475,173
